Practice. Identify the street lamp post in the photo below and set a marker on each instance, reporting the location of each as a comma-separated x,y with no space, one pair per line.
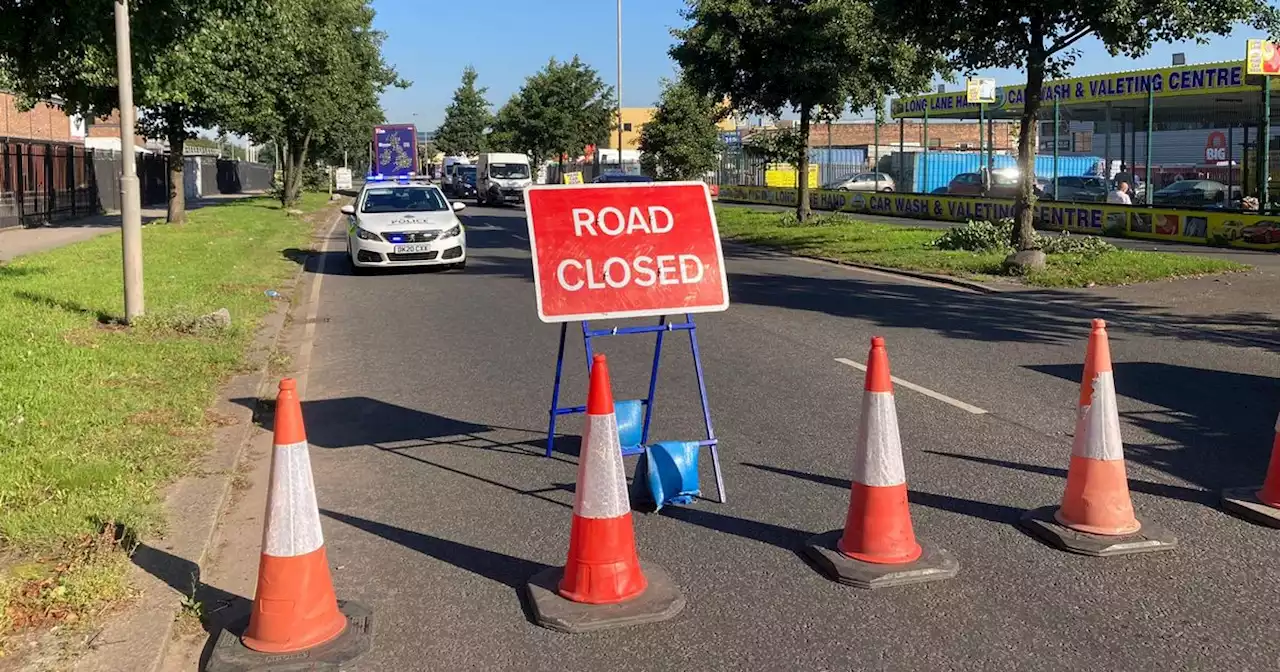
620,169
130,205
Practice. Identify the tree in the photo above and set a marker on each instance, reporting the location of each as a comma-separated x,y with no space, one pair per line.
560,110
317,92
466,118
682,139
502,133
184,77
815,57
780,145
1038,37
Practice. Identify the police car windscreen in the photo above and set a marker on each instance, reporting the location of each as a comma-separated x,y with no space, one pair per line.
403,199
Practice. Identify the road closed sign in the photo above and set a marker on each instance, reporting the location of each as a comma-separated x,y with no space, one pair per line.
605,251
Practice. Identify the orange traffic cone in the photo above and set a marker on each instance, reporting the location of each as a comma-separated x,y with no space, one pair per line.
1261,505
878,546
1096,515
295,610
602,584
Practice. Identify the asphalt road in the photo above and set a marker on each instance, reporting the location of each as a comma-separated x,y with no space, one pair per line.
426,412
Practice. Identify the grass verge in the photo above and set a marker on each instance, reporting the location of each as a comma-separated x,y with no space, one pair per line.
909,248
95,417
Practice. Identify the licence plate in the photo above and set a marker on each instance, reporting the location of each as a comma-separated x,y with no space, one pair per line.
412,249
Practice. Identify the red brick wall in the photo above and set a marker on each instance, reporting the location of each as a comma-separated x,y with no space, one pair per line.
951,135
109,127
43,122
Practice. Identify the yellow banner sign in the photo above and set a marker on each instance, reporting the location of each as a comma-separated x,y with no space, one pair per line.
1183,80
1233,229
573,178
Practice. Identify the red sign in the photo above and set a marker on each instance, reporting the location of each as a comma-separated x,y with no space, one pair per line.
603,251
1215,147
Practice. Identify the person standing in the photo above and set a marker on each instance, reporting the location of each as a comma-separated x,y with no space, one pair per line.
1120,195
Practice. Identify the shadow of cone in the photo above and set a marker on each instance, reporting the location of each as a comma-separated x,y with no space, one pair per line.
603,583
877,547
1096,514
297,622
1260,505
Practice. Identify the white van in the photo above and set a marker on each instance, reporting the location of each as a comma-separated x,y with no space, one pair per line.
502,177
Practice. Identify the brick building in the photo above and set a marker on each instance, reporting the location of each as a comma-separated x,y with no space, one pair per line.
942,134
47,122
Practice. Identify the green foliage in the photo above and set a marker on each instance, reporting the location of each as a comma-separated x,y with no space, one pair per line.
466,118
817,219
1066,243
1039,38
682,140
816,57
782,145
984,236
977,236
320,73
560,110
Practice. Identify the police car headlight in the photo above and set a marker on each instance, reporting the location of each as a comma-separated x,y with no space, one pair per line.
456,230
367,235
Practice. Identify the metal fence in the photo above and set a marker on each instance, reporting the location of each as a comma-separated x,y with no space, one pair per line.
47,182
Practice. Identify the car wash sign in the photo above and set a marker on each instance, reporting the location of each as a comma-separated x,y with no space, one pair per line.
624,250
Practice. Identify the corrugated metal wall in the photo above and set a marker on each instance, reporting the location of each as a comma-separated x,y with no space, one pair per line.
837,162
1170,146
943,166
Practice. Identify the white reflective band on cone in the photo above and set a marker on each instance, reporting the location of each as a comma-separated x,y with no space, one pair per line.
1098,424
877,459
293,519
1278,424
601,491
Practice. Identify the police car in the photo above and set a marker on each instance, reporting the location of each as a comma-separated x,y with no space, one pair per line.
404,222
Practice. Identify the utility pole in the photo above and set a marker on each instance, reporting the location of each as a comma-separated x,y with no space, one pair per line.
620,169
130,203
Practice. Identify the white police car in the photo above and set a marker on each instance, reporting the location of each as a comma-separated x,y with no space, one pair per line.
404,222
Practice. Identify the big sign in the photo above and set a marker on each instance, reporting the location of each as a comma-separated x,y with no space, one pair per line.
624,250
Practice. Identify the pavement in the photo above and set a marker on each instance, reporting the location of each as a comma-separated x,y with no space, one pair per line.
426,405
17,242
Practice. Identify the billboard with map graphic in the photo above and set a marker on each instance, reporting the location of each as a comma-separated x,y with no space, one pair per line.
395,150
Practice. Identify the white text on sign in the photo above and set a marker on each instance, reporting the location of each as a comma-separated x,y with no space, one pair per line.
617,272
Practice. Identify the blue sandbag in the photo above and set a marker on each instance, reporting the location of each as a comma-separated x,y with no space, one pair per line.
670,469
630,415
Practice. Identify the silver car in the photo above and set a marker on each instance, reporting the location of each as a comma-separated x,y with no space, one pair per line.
862,182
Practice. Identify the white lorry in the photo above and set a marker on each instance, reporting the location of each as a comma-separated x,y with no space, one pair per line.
502,177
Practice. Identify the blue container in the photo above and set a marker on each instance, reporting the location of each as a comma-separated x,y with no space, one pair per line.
837,162
935,170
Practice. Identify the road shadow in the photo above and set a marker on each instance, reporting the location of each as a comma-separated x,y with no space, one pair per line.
218,610
1022,316
500,567
1178,492
1219,424
996,513
102,316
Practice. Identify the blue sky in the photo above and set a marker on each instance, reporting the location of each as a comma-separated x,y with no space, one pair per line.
431,41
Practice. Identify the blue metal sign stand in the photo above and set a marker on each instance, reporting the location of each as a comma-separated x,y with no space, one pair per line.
661,329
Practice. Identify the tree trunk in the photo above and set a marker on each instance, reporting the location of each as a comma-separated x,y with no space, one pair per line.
802,167
1024,233
177,187
295,161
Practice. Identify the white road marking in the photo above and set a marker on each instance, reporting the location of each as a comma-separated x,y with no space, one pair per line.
970,408
313,307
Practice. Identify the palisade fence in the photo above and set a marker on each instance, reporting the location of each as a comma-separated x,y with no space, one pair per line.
45,183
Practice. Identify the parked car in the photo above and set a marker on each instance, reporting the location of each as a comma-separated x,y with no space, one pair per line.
1191,193
615,178
862,182
1077,188
1004,184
